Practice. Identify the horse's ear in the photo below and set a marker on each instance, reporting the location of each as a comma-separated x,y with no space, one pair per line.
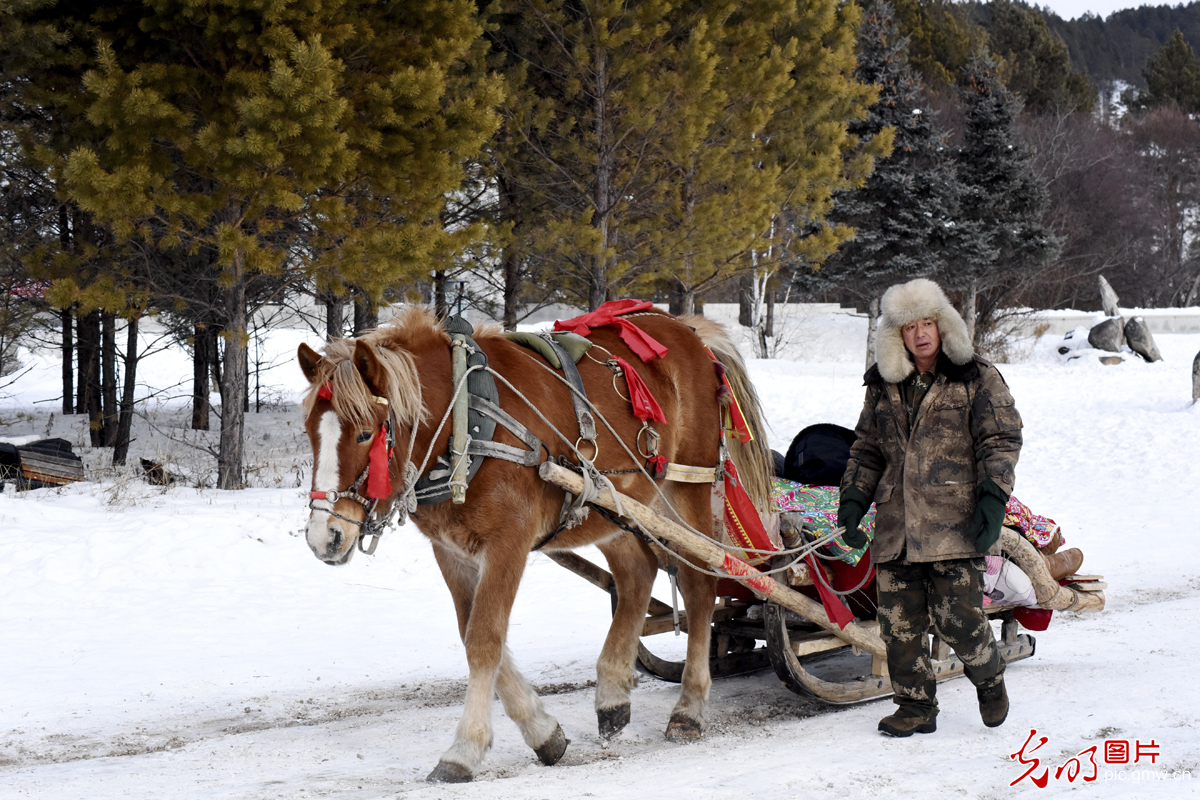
308,361
367,364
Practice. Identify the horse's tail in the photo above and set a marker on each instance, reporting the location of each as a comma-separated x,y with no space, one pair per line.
753,459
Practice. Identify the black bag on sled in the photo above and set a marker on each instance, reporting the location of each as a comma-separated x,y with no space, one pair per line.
818,455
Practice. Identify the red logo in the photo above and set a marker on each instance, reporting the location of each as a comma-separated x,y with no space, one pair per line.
1083,764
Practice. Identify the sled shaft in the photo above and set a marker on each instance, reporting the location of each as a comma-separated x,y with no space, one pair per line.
713,556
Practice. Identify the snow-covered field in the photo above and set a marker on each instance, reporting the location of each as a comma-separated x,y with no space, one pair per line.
183,642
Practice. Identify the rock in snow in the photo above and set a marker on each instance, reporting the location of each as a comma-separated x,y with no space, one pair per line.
1140,340
1108,299
1107,335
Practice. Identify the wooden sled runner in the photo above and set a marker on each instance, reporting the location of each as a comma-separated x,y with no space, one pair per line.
808,652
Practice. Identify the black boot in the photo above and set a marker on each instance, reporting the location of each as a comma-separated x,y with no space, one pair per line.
993,703
909,720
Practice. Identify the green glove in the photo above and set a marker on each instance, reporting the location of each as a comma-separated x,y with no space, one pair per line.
990,503
852,507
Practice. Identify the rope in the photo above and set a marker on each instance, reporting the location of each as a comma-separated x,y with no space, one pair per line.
699,568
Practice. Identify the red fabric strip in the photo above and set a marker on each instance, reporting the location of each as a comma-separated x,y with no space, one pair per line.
326,391
835,608
737,420
644,346
645,407
752,577
742,522
379,480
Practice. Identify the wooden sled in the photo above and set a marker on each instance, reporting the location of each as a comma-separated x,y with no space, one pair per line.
789,631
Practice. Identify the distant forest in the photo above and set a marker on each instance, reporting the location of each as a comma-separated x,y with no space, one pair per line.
1117,47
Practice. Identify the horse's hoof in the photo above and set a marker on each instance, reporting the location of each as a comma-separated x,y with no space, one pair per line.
449,772
684,729
612,720
554,747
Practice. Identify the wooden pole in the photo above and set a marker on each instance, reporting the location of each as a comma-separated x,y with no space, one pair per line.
458,476
713,556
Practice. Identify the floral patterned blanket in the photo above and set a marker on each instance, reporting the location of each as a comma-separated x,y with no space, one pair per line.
817,508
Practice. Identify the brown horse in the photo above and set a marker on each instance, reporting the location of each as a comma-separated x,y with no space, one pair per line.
403,369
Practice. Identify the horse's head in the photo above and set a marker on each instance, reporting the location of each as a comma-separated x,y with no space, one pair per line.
347,417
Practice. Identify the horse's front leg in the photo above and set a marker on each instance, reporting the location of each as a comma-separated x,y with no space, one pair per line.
633,567
486,627
699,596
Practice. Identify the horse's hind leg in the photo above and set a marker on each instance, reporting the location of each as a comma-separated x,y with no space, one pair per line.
483,598
633,566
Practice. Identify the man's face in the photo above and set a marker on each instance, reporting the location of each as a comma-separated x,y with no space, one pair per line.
922,338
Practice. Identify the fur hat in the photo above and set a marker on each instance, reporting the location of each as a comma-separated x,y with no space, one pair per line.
909,302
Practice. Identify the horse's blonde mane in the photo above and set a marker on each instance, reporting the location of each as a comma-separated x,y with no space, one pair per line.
753,458
393,343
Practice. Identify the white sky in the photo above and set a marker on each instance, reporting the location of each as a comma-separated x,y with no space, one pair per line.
1070,9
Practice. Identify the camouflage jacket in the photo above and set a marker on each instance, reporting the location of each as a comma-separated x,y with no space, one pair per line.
924,482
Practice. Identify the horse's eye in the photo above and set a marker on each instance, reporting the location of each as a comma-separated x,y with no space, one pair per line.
365,436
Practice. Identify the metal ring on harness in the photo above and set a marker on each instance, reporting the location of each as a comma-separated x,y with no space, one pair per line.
652,440
595,448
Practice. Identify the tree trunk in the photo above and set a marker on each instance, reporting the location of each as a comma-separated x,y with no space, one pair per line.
969,311
125,419
441,305
745,296
872,329
233,382
201,355
89,376
108,372
68,358
333,319
514,279
598,277
366,315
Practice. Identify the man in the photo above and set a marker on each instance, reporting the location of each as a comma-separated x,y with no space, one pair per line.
936,447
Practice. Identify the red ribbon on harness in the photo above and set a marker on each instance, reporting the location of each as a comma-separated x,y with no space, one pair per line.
737,420
379,478
645,346
742,522
645,407
835,608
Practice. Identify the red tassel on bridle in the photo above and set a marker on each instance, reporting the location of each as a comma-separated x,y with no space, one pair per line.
379,478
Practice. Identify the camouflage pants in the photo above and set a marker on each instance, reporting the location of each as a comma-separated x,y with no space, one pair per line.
950,594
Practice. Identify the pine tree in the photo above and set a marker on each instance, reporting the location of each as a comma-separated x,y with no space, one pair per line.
656,140
903,215
246,134
1172,78
1002,239
1037,64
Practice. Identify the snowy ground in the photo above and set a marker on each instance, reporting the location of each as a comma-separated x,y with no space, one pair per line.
183,642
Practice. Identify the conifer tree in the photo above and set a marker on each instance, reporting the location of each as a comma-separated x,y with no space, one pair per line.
1037,62
657,140
1172,78
1002,239
903,216
260,138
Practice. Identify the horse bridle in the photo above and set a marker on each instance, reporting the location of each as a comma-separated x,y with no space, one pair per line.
372,524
